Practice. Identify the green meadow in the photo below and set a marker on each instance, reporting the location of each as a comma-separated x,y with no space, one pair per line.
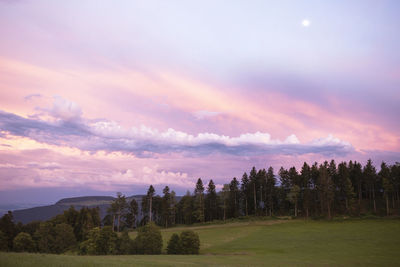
373,242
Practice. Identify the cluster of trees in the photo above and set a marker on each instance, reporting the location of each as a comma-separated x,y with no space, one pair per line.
104,241
121,214
81,231
188,242
57,235
317,190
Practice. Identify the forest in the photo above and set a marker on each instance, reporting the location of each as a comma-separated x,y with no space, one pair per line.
317,191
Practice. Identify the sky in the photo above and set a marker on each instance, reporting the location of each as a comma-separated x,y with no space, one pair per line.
99,97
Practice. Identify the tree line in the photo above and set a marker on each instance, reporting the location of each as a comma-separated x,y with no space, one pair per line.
318,191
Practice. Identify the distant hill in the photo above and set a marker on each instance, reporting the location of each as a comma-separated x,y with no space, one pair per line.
44,213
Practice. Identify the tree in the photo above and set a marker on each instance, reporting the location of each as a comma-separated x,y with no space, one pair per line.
325,187
211,202
174,245
190,242
3,242
225,196
345,186
23,243
100,242
306,180
150,194
253,183
44,237
234,198
369,173
166,207
355,170
149,240
125,244
173,208
270,190
199,195
293,197
132,213
395,180
87,220
8,228
64,238
185,212
388,188
285,182
121,208
245,191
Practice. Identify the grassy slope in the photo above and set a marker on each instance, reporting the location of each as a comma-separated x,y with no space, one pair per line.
357,242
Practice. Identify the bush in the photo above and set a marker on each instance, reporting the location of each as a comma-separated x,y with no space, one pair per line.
23,242
174,245
190,242
148,240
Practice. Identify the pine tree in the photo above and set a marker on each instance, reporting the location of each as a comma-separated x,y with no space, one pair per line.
369,173
150,195
234,198
253,183
270,190
305,176
245,192
166,206
132,213
199,195
212,202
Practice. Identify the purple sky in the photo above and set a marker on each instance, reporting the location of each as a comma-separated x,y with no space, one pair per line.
98,96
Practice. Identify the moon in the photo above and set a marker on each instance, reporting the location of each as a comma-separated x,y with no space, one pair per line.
306,23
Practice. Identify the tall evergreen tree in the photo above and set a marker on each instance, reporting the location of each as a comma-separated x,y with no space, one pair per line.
166,207
388,187
199,195
253,184
245,192
270,190
369,172
234,198
132,214
150,195
306,181
211,202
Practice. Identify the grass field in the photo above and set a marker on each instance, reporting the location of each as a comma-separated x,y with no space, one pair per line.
273,243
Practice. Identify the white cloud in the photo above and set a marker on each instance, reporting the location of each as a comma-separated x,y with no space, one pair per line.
65,109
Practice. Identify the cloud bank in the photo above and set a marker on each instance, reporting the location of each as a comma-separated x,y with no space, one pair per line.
71,130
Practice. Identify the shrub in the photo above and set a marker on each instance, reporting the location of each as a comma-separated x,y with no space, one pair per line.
174,245
190,242
148,240
23,242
